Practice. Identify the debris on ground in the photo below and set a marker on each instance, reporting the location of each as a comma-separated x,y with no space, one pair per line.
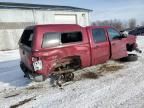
90,75
110,68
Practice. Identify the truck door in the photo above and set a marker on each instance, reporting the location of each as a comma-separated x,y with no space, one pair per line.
118,44
100,47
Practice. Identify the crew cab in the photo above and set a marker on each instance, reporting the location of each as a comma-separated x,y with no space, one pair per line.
64,48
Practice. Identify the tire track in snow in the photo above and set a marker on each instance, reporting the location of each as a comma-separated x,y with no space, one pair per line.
95,95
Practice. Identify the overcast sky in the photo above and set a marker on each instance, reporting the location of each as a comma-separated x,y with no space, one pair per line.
102,9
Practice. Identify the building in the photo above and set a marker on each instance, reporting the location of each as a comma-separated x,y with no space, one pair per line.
14,17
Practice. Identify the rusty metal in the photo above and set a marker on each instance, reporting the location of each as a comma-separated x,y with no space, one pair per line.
64,71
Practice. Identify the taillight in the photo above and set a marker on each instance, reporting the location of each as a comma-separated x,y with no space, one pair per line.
35,59
37,63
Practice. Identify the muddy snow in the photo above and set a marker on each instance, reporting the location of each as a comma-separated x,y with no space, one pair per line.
111,85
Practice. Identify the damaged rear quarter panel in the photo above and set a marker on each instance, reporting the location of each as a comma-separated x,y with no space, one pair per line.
52,55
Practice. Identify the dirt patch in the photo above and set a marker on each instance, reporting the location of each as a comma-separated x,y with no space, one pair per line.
101,71
96,73
90,75
22,102
109,68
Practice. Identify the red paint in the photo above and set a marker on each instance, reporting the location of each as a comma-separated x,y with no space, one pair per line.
90,53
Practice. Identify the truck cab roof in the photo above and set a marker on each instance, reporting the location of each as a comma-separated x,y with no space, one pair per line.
65,25
99,27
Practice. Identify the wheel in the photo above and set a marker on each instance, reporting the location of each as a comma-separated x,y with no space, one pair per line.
68,76
130,57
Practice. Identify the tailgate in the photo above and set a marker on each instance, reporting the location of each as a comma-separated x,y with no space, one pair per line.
25,48
26,57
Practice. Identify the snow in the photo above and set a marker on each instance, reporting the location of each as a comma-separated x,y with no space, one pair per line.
121,88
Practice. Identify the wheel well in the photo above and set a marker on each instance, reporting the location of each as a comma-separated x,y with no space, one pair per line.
130,47
75,61
71,62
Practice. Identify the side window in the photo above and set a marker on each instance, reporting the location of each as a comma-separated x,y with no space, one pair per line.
113,34
99,35
51,40
55,39
71,37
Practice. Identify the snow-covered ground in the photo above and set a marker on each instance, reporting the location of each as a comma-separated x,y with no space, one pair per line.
120,87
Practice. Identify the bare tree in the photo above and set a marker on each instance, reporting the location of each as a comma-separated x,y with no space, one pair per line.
142,23
132,23
114,23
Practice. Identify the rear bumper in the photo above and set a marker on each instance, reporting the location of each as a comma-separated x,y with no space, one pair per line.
32,75
28,73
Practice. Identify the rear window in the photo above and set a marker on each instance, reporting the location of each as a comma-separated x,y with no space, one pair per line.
55,39
27,37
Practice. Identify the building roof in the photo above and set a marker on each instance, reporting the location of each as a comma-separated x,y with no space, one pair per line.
38,6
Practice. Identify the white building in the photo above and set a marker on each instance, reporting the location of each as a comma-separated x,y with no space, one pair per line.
14,17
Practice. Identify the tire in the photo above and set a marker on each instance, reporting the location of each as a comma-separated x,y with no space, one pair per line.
130,58
69,77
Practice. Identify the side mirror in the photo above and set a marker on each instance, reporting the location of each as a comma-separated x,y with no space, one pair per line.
124,34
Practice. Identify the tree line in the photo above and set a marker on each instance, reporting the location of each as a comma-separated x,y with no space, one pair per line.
131,23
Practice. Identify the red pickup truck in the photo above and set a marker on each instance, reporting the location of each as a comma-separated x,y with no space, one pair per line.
63,48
